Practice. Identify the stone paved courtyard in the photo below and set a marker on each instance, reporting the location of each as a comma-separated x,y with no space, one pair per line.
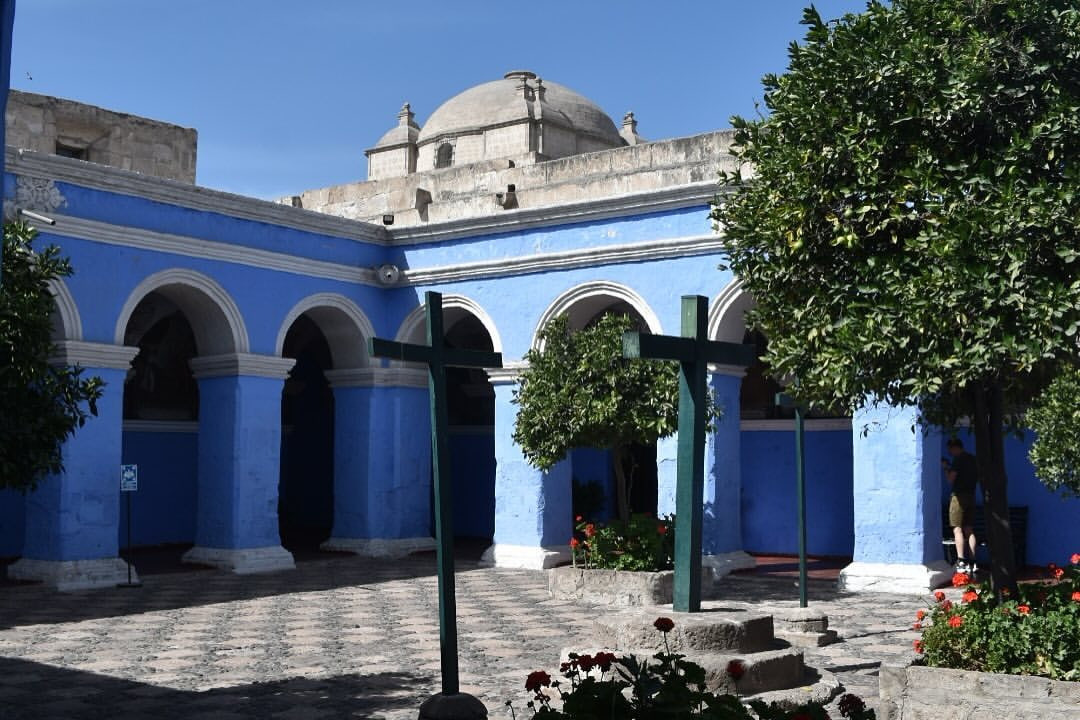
340,637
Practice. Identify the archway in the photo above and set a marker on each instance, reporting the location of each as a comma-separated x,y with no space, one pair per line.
471,414
595,488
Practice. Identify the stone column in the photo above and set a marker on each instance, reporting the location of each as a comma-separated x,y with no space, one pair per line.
382,462
533,509
897,486
721,541
239,463
72,518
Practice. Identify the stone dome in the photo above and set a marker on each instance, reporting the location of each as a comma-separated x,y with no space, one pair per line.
515,98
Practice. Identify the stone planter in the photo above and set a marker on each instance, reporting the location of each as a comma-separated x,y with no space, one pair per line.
622,588
926,693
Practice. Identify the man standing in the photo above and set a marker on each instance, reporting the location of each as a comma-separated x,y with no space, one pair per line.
962,474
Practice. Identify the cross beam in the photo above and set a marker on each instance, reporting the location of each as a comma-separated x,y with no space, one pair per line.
694,351
437,356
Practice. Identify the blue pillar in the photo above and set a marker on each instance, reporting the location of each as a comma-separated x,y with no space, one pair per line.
236,526
721,541
533,509
72,518
382,462
897,488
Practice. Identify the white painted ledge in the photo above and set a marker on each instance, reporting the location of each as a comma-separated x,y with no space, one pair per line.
525,557
242,562
900,578
380,548
725,563
72,575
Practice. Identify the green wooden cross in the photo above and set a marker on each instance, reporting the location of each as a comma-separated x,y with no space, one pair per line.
694,351
785,400
437,356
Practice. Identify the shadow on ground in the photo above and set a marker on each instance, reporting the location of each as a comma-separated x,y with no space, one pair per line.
33,691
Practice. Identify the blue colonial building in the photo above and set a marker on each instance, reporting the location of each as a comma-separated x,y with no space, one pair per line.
231,334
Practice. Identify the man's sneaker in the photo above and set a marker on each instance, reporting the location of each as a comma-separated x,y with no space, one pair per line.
962,567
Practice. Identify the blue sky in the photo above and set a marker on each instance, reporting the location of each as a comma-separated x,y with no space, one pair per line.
287,95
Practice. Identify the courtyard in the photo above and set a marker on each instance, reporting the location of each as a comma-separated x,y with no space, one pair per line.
343,636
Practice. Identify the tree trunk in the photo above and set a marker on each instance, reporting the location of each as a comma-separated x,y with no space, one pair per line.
622,482
990,459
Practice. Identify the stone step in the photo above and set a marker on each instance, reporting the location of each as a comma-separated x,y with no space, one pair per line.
704,632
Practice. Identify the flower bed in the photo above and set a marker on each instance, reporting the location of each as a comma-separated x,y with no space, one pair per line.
622,588
643,543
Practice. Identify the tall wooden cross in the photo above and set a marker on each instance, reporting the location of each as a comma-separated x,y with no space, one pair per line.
694,351
437,356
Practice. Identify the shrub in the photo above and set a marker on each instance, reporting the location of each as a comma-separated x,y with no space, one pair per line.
642,543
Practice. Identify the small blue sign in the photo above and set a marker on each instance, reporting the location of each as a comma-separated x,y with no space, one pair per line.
129,478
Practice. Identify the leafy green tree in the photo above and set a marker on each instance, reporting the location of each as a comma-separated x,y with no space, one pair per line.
909,229
580,392
43,404
1055,418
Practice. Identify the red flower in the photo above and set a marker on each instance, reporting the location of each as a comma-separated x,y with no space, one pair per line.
947,605
1058,573
918,646
578,519
938,595
587,662
661,529
956,621
1075,559
536,680
1076,596
735,670
664,624
574,542
920,615
970,596
917,626
604,660
961,579
1024,609
590,530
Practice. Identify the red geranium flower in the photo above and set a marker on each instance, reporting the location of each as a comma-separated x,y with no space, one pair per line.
1075,559
956,621
938,595
920,615
661,529
735,670
590,530
947,605
1076,596
664,624
536,680
587,662
970,596
1058,573
604,660
578,519
917,626
961,579
1024,609
918,646
574,542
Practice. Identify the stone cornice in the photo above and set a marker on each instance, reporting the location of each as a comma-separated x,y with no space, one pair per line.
671,198
567,260
173,192
249,364
810,425
93,355
96,231
378,377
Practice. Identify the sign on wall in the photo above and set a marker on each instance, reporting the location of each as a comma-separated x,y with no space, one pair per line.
129,478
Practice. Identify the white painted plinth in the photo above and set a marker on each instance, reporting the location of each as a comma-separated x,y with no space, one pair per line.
906,579
525,556
71,575
725,563
242,562
380,548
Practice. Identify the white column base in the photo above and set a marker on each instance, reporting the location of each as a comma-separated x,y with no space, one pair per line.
380,548
244,561
72,575
901,578
725,563
526,557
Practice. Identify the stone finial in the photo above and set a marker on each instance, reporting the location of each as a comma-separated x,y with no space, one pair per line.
406,116
628,121
629,130
540,89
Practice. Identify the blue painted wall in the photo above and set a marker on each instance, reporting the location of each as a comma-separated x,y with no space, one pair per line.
769,520
1053,532
163,508
472,459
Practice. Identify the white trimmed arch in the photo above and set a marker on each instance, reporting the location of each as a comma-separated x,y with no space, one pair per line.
727,316
210,310
455,308
584,302
67,325
341,321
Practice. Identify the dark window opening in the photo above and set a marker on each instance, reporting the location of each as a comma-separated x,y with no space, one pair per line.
444,156
70,151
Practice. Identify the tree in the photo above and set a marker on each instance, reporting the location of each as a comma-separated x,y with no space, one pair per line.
580,392
909,231
1055,418
43,404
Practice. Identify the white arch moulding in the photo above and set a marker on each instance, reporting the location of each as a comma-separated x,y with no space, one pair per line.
454,308
596,296
67,325
727,316
213,314
341,321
